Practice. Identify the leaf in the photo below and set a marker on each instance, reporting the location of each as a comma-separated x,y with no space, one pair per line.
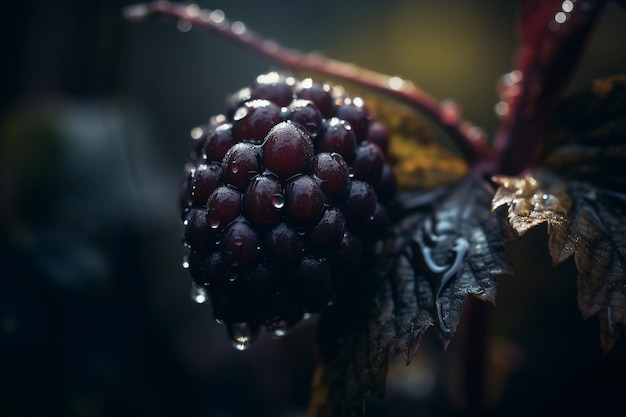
448,245
533,200
587,135
583,220
587,145
598,239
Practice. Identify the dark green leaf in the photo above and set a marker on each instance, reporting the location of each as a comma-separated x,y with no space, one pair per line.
449,245
587,138
597,237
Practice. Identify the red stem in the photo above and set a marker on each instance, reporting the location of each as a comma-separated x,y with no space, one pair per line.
468,138
552,42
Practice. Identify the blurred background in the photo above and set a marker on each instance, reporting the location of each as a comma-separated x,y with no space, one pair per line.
95,313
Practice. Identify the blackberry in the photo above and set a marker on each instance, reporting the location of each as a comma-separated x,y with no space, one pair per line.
368,162
253,119
264,200
304,200
337,136
287,150
286,194
204,180
222,207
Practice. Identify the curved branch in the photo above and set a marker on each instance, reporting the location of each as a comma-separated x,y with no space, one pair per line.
470,140
553,34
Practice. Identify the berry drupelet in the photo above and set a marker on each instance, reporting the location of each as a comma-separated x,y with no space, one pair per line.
285,193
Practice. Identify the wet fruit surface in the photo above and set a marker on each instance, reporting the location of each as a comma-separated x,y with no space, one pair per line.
286,191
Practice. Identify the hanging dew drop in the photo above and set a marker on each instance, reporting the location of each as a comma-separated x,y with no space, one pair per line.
278,201
279,332
198,294
185,263
214,219
278,328
242,335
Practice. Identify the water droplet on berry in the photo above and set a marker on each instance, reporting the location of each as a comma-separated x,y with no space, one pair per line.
240,113
185,262
279,331
238,241
214,219
234,167
242,335
278,201
198,294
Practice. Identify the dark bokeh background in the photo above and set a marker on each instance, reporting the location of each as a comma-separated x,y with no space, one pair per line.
95,317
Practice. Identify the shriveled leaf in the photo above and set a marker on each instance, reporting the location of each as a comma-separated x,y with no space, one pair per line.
444,249
587,137
597,237
533,200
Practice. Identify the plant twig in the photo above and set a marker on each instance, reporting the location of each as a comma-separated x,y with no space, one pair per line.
470,140
553,35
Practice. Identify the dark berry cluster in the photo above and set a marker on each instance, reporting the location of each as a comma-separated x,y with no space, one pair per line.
285,192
